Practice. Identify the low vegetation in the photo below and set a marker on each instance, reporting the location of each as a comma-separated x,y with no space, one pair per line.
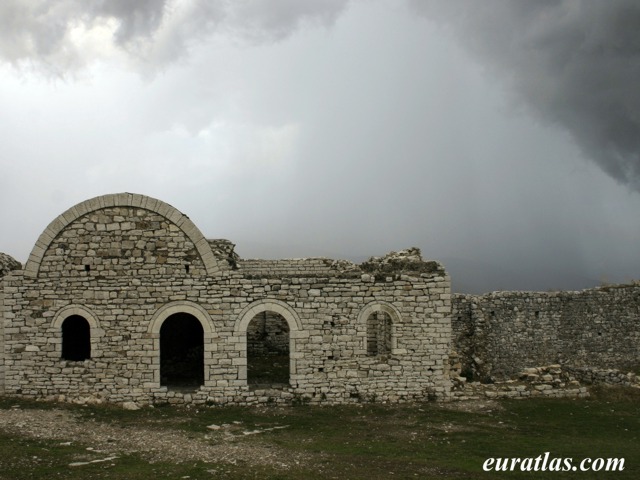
40,440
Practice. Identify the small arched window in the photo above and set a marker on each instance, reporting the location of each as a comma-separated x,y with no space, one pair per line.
76,338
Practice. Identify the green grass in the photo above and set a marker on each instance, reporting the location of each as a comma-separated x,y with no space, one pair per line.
367,441
268,369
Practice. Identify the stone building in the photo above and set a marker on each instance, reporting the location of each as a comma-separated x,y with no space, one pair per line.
123,299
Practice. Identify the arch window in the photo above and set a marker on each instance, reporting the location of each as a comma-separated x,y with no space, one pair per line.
76,338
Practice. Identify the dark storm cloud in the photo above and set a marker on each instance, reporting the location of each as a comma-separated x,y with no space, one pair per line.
139,18
44,34
573,63
41,31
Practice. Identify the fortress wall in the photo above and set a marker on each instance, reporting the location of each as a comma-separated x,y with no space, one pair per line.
1,336
501,333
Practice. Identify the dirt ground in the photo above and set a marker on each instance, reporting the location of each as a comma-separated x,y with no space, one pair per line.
222,443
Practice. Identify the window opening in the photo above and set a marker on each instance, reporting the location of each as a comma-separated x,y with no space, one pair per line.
76,339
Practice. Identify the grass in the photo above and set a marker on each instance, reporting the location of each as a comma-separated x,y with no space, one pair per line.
361,441
268,370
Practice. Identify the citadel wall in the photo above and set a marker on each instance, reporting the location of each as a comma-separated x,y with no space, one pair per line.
499,334
7,264
2,320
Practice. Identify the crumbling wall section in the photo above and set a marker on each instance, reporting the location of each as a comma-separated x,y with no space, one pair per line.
7,265
2,320
499,334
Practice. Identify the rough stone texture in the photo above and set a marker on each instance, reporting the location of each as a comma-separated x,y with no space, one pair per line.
126,263
7,264
499,334
386,330
547,381
604,376
267,333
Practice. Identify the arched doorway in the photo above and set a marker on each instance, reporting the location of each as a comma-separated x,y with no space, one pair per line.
76,339
181,352
268,363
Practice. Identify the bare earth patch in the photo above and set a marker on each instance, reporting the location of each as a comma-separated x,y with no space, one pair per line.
474,406
221,445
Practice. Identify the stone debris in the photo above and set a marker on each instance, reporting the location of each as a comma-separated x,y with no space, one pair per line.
605,376
262,430
100,460
546,381
7,264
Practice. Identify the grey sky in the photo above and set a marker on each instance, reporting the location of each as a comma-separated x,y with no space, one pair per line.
503,142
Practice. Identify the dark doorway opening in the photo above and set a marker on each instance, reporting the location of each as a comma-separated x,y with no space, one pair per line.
76,339
182,352
268,351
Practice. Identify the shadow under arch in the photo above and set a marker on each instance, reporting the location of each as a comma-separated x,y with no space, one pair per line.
95,332
208,335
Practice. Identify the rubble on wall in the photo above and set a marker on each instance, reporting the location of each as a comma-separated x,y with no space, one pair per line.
7,264
404,261
605,376
225,249
546,381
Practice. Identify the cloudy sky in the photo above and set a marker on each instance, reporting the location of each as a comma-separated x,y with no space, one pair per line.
500,137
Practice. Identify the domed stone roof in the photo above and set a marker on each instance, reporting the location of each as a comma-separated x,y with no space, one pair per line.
8,263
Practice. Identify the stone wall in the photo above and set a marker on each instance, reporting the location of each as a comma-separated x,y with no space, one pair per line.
7,265
268,333
605,376
127,263
549,381
386,329
499,334
2,354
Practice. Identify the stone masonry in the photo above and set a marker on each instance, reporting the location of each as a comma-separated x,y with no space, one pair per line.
107,279
499,334
122,291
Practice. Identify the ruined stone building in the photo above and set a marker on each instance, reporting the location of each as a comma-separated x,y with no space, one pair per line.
123,299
